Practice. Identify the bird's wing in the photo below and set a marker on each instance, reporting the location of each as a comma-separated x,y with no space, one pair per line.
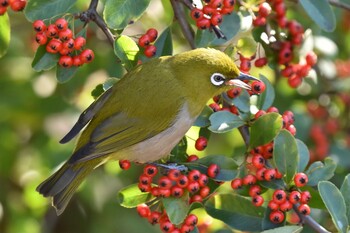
86,116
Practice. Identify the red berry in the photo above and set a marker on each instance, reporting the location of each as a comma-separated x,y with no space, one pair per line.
65,61
280,9
272,109
54,46
164,182
260,62
196,198
144,41
201,143
285,56
258,200
228,3
18,5
294,197
203,180
254,190
150,170
204,192
286,206
61,24
4,3
249,179
209,10
192,158
3,10
216,3
203,23
305,197
144,187
273,205
164,193
152,33
276,216
270,174
287,71
194,175
143,210
39,26
259,21
41,38
65,34
79,42
294,81
292,129
264,9
295,27
304,209
279,196
260,174
311,58
51,31
191,220
174,174
193,187
227,10
216,19
234,92
237,183
196,14
154,217
245,65
176,191
144,179
213,170
123,164
258,161
150,51
77,61
182,181
300,179
166,226
87,56
186,228
215,107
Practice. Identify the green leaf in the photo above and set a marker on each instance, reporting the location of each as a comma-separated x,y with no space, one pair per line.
273,184
228,167
43,9
164,43
335,204
179,152
126,50
318,171
95,93
285,229
285,155
321,13
5,34
236,211
265,99
230,27
203,119
119,13
304,155
224,121
267,224
345,190
65,74
176,208
316,200
131,196
242,101
265,129
43,60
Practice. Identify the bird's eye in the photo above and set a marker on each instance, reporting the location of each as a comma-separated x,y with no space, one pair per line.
217,79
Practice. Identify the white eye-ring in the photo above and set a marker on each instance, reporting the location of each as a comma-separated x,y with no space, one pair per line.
217,79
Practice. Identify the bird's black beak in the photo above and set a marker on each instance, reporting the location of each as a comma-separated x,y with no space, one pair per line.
239,81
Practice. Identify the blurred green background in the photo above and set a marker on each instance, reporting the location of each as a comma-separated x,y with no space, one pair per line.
36,111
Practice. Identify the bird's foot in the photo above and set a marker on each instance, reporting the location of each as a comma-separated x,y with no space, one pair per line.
170,166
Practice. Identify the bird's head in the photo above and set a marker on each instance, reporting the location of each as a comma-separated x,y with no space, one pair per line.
208,72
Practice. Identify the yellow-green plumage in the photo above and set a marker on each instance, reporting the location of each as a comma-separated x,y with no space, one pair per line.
142,117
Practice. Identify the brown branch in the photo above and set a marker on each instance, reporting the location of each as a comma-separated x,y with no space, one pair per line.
184,25
92,15
336,3
306,219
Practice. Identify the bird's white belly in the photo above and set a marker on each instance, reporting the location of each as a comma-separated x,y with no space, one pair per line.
160,145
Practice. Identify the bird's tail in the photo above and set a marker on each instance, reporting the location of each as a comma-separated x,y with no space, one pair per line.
63,183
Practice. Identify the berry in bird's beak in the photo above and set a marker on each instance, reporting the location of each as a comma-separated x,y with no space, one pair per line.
239,81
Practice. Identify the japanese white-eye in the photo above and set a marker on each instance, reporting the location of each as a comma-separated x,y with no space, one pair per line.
143,116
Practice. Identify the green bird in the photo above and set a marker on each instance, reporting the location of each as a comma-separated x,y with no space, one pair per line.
143,116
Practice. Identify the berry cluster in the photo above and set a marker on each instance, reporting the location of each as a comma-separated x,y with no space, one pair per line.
284,47
16,5
175,184
161,218
212,12
246,65
59,39
146,40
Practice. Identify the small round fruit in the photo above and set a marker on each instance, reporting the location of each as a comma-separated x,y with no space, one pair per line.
196,14
249,179
143,210
174,174
51,31
65,34
191,220
237,183
144,41
150,170
182,181
150,51
123,164
258,87
305,197
304,209
41,38
39,25
213,170
192,158
300,179
258,200
79,42
279,196
203,23
294,197
65,61
18,5
201,143
61,24
87,56
276,216
152,33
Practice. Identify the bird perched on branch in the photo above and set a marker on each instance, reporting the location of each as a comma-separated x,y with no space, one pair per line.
143,116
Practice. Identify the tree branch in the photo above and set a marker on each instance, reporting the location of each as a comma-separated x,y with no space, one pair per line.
185,27
310,221
92,15
336,3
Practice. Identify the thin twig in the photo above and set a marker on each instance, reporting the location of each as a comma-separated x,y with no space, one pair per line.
185,27
244,131
310,221
92,15
336,3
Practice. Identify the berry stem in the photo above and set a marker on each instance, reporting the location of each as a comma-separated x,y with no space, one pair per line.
307,219
92,15
187,31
